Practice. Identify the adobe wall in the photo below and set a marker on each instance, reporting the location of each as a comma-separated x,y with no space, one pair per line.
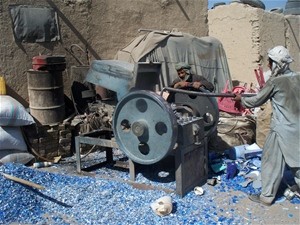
247,33
121,19
99,27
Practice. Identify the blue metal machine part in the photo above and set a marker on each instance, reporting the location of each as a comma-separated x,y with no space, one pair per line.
145,127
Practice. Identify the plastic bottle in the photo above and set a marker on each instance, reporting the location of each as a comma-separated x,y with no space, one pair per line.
41,164
2,86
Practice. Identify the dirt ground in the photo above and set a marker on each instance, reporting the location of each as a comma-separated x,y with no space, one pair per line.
278,213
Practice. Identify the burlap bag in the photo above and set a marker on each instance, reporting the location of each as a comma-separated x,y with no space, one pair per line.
233,131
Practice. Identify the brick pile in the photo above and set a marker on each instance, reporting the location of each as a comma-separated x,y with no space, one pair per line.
49,141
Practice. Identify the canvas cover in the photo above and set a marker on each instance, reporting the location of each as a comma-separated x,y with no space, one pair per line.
33,24
205,55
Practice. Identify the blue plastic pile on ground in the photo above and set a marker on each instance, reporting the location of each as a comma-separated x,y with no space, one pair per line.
75,199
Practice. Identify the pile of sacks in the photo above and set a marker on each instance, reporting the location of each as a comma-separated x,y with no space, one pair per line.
13,116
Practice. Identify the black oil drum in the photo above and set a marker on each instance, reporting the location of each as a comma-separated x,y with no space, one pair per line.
46,96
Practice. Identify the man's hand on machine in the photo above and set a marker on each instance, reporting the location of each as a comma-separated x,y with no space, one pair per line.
237,97
196,84
184,84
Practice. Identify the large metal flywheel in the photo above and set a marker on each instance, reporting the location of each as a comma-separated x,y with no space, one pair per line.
145,127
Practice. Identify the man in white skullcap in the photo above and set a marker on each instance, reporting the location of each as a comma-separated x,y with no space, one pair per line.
282,146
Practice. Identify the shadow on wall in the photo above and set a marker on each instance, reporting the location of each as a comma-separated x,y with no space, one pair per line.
40,25
45,43
74,30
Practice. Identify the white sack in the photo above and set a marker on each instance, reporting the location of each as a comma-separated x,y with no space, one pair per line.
15,156
12,138
13,113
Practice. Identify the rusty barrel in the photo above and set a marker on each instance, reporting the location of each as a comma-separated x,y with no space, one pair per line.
46,96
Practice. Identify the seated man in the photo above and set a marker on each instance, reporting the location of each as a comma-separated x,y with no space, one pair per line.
187,80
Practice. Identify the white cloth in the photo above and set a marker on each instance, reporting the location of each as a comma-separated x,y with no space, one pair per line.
280,55
281,60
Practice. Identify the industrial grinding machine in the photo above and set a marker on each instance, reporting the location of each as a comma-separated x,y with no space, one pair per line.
147,128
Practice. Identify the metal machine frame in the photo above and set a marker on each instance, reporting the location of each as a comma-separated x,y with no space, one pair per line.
191,158
148,129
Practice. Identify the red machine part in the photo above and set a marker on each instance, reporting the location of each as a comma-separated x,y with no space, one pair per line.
230,106
260,76
46,62
226,104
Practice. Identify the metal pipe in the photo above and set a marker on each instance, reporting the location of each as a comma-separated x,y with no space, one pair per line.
208,94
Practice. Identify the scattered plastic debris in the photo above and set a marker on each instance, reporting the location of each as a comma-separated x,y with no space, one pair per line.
95,199
244,151
212,181
41,164
198,190
231,170
162,206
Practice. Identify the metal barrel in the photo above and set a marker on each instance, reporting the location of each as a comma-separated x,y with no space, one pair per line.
46,96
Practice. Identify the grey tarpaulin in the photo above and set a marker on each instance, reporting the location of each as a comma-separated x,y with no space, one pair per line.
205,55
34,24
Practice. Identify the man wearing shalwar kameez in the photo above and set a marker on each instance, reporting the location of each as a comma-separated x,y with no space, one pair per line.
282,146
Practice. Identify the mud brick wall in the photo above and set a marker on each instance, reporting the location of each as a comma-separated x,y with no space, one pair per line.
247,33
100,28
50,141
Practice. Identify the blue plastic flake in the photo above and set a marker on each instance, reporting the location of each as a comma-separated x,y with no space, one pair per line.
107,197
